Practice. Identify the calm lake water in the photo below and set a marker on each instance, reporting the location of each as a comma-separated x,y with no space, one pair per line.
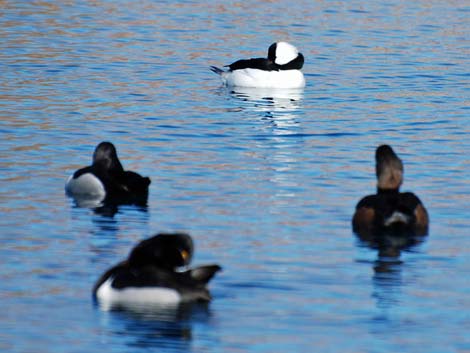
265,182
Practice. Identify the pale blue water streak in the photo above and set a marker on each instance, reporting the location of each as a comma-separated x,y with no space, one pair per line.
265,182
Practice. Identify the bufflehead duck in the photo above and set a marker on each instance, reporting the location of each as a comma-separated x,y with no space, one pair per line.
281,69
106,180
389,209
149,274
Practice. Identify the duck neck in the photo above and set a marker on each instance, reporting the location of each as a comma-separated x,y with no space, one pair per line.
387,191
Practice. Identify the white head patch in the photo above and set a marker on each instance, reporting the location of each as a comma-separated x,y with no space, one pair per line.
285,53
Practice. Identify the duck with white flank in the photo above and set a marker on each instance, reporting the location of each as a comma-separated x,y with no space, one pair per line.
150,275
281,69
389,209
106,180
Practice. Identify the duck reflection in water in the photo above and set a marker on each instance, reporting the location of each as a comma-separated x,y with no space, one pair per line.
153,325
268,99
280,106
109,210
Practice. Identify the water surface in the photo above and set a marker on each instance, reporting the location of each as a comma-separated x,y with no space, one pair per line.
265,182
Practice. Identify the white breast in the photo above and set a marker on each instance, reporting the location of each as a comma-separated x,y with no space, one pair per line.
139,295
264,79
397,217
85,185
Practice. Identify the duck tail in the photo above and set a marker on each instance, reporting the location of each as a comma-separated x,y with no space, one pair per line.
217,70
205,273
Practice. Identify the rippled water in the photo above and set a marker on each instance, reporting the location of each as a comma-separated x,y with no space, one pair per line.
265,182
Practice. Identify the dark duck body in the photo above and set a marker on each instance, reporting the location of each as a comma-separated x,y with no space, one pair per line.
390,210
150,276
107,181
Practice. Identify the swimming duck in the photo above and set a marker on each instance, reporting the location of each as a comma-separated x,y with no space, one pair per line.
106,180
389,209
150,276
281,69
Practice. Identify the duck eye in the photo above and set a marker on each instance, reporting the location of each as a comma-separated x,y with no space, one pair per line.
184,255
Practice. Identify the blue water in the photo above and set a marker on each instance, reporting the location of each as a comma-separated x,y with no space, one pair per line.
266,183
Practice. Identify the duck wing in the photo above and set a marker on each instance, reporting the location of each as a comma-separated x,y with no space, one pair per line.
257,63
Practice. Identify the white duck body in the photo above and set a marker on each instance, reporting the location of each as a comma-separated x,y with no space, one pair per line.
146,295
285,79
86,185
